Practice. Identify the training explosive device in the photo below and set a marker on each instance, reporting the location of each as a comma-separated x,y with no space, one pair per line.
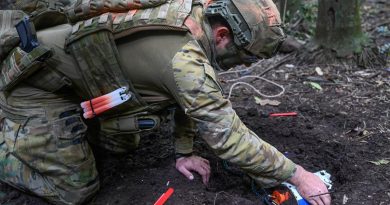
287,193
103,103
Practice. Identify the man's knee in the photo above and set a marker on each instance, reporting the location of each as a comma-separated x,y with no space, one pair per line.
77,187
43,148
75,195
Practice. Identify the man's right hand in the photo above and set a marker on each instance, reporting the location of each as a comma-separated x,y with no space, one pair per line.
194,163
309,186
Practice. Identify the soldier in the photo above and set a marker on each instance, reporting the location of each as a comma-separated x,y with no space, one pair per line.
164,57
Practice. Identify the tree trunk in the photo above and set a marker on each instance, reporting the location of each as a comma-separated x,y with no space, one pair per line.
338,26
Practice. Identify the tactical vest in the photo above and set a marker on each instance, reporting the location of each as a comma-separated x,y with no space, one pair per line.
92,45
102,70
98,34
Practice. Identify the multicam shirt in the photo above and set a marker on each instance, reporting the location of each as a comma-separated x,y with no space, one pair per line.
218,124
176,67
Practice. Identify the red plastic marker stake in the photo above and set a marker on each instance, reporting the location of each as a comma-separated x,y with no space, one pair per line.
164,197
285,114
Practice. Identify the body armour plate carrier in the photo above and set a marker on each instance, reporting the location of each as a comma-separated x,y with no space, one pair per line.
92,45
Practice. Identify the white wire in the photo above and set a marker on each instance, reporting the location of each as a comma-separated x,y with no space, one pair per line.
249,85
256,90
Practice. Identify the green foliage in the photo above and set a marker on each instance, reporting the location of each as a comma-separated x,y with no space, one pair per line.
302,23
309,13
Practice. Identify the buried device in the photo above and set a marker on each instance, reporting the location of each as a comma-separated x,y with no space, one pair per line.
287,194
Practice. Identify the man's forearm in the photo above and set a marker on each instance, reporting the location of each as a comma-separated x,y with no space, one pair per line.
183,144
184,133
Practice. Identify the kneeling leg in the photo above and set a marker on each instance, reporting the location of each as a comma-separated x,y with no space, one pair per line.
43,147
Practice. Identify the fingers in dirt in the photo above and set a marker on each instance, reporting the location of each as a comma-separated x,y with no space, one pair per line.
205,161
207,176
205,173
326,199
321,199
206,168
312,201
186,173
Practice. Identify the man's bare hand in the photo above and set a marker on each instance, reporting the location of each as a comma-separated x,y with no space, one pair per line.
309,186
194,163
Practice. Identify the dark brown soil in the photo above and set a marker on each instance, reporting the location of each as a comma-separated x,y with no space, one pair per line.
340,128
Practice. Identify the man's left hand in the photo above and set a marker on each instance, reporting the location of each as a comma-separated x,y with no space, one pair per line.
194,163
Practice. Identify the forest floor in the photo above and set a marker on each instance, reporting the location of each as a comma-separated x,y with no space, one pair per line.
342,126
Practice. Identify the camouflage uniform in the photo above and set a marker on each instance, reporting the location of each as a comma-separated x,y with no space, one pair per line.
43,146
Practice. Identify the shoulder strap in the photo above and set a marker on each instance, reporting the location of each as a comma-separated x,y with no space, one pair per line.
85,9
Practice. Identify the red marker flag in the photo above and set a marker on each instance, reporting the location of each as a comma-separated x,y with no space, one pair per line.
164,197
285,114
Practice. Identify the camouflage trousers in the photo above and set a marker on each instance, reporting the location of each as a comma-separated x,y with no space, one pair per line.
43,147
43,140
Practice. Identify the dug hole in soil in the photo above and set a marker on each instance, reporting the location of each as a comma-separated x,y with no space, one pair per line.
344,128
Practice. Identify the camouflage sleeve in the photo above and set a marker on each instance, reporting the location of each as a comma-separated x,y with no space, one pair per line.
184,133
199,95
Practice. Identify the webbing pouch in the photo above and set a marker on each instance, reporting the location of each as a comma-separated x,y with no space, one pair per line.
9,37
48,9
130,124
19,65
92,45
48,79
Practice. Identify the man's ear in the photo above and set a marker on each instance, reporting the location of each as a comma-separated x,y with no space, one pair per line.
221,35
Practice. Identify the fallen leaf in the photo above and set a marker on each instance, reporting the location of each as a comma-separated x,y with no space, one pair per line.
345,199
343,113
314,85
266,102
257,100
379,83
362,73
289,66
380,162
301,41
319,71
